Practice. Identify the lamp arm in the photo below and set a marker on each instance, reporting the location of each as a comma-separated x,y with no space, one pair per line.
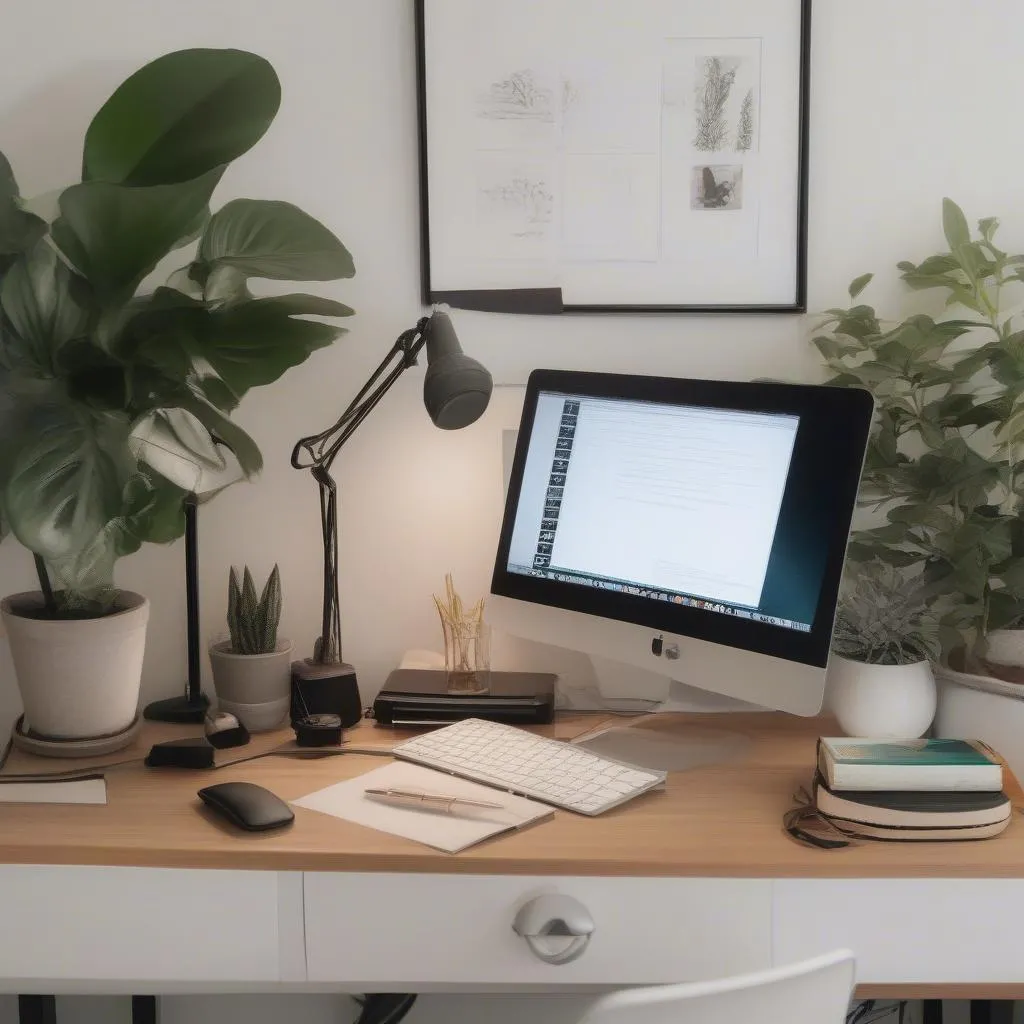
317,453
320,450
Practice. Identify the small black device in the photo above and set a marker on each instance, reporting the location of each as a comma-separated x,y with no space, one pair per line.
247,806
317,730
224,730
193,752
325,690
420,697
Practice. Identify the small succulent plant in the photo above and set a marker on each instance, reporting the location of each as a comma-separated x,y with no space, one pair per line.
885,619
252,620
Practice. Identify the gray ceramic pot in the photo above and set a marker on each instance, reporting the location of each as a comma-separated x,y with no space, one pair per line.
254,687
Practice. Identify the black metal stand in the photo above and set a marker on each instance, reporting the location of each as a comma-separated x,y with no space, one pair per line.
318,452
145,1010
37,1010
991,1011
192,706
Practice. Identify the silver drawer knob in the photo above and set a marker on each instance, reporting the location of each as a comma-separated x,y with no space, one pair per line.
557,928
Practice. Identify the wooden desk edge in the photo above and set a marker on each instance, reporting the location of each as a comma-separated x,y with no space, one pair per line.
173,836
955,990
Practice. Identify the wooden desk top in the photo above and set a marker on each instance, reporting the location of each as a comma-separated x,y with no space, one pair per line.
716,822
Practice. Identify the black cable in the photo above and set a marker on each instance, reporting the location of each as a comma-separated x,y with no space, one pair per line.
385,1007
99,771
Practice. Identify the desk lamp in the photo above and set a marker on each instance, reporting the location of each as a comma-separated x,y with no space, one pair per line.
456,390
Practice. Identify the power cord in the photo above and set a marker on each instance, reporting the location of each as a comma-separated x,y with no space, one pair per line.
99,771
384,1007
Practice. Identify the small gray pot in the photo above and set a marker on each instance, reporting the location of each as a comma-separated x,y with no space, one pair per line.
257,687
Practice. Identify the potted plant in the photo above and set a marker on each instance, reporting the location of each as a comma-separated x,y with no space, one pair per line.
115,398
943,467
252,669
880,682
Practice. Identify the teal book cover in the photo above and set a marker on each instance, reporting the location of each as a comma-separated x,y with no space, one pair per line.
907,752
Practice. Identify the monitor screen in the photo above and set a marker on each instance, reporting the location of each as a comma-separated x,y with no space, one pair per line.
709,509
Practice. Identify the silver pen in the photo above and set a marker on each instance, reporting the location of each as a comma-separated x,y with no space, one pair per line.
428,801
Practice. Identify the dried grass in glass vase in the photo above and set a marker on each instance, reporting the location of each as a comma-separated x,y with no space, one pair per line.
467,652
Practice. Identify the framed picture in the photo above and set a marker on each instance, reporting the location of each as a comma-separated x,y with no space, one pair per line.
621,156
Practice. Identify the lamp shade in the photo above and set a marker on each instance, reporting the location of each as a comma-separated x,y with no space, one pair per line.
456,388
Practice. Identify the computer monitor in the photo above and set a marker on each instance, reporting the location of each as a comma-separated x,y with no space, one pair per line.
688,528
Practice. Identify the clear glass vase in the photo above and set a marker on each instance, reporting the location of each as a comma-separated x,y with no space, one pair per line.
467,656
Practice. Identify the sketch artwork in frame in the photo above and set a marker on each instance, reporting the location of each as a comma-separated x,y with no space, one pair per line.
627,156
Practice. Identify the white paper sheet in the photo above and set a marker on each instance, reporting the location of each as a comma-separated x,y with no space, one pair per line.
77,791
448,832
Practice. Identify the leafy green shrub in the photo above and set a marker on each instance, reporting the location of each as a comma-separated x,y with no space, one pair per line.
114,399
944,460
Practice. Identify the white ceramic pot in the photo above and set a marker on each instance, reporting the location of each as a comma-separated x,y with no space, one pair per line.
256,688
881,701
79,678
1004,654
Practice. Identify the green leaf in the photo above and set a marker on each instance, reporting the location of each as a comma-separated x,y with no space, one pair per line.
1012,578
941,264
970,573
971,258
858,322
66,478
921,282
217,393
954,225
963,296
19,230
985,414
262,238
255,342
923,515
38,295
988,226
180,117
859,284
1005,609
221,428
114,236
154,511
931,434
834,347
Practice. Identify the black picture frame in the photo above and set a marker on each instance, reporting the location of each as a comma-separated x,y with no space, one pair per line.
545,300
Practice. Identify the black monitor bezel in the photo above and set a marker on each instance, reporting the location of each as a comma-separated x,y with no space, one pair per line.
832,436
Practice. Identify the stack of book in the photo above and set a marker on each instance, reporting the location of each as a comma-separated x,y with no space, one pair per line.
911,790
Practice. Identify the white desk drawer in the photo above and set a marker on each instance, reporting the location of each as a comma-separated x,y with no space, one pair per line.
408,930
152,924
912,930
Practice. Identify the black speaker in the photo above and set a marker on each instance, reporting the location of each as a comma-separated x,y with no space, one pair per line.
325,690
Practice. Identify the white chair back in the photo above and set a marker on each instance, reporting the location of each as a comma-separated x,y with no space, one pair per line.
816,991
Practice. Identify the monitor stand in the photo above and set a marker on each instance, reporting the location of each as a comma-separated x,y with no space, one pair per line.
651,741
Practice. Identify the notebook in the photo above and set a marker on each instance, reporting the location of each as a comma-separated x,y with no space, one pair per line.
901,765
448,832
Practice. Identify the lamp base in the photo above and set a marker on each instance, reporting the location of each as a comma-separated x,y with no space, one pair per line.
179,710
325,690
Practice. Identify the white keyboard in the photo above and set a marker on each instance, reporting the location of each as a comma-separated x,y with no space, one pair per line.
517,761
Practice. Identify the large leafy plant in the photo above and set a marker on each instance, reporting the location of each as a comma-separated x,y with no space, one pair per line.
116,395
944,460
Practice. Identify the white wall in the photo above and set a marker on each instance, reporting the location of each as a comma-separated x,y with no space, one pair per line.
911,100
